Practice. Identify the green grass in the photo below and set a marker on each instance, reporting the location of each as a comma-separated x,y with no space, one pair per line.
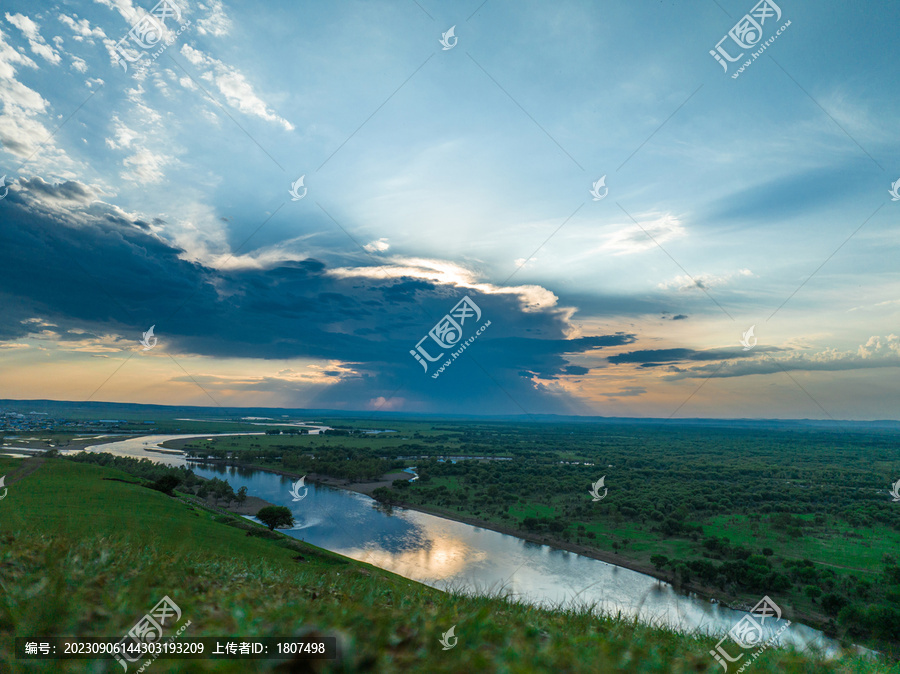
858,550
88,556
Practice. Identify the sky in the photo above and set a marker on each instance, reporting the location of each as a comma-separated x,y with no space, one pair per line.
299,197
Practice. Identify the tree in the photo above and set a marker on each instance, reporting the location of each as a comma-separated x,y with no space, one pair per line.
166,484
684,572
384,495
530,523
241,495
220,489
659,561
812,592
833,603
275,516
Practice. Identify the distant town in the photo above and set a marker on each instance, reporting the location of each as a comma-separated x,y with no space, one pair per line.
16,422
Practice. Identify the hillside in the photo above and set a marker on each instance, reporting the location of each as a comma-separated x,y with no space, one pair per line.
86,551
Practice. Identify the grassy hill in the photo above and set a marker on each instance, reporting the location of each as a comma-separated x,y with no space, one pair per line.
86,551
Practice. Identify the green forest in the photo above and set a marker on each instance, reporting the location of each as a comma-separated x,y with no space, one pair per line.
802,515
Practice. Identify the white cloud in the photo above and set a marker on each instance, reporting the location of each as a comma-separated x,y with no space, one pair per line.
145,166
880,347
123,7
644,236
532,297
37,43
79,64
9,57
703,281
123,137
234,86
377,246
216,22
160,83
20,131
81,27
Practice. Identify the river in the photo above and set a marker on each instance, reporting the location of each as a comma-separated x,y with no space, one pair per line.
446,554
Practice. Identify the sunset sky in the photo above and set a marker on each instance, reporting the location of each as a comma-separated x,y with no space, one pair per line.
159,196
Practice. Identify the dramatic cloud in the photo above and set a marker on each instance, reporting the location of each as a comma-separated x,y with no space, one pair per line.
658,357
107,276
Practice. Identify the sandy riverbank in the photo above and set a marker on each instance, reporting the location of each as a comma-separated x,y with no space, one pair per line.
251,506
361,487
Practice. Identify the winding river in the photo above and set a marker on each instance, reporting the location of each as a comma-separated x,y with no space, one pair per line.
446,554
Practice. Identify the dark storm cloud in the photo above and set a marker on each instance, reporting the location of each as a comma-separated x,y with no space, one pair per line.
83,265
67,191
657,357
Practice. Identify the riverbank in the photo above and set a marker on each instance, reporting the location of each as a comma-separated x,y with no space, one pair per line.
367,488
701,591
75,444
743,603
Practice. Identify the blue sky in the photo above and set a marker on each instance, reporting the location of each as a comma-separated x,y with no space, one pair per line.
159,196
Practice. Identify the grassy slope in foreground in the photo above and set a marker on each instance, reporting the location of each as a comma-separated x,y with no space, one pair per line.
83,554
